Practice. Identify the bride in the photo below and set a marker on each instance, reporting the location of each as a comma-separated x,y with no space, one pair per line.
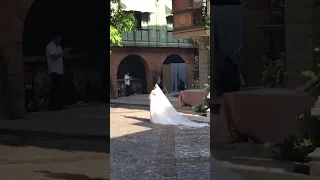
162,112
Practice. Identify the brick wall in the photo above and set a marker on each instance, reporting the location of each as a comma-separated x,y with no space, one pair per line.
153,60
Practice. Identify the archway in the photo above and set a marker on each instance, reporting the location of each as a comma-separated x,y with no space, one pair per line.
173,70
138,69
85,33
82,31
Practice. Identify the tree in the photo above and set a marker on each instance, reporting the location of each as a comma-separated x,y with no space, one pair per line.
120,21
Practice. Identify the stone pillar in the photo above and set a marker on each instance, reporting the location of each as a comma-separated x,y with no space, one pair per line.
204,60
13,14
299,45
256,41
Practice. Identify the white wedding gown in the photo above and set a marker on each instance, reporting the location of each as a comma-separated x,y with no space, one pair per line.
162,112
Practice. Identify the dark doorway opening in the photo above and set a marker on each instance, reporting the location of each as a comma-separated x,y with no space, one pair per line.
138,69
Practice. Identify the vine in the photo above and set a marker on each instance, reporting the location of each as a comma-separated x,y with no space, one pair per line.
206,18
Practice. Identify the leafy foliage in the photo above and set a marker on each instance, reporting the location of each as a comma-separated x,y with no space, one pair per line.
314,74
120,21
296,148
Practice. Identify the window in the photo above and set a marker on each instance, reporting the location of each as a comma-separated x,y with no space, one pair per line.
145,18
170,21
138,16
141,18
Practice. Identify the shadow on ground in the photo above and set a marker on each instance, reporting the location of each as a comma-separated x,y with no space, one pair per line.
55,142
67,176
88,119
131,107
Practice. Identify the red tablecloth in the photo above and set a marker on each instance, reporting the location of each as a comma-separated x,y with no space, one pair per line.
266,114
193,97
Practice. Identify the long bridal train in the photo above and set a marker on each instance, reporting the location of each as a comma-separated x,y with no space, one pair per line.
162,112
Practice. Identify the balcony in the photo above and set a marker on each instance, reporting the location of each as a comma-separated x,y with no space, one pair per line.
189,18
154,37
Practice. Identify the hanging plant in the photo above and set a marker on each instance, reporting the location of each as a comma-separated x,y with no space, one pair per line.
206,18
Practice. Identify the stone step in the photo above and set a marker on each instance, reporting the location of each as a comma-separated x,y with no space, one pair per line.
315,162
195,117
315,168
253,155
317,104
244,149
315,111
141,102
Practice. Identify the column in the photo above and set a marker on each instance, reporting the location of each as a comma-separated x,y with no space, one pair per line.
299,45
204,61
11,33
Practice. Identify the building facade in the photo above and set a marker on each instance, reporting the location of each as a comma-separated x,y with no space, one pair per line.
299,27
152,48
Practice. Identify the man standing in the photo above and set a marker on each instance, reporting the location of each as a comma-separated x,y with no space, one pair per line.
55,54
127,82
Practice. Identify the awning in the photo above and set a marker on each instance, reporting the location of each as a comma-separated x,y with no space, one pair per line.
148,6
168,7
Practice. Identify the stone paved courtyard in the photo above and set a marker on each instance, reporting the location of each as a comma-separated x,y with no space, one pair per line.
141,150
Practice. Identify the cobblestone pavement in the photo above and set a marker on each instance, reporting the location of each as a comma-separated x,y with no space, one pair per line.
141,150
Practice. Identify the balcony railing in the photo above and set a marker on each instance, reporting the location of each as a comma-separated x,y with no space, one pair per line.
154,38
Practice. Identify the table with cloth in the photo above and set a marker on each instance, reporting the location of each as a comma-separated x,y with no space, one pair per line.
192,97
264,114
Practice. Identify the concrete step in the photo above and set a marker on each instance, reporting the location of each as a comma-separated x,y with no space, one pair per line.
315,162
254,172
315,111
195,117
247,154
133,101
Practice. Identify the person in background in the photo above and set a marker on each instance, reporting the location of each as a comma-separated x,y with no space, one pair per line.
159,81
182,85
127,82
55,54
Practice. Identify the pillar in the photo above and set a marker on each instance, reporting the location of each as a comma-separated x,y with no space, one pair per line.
204,60
12,15
299,45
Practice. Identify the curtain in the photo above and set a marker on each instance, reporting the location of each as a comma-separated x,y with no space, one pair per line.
174,76
227,35
178,71
182,72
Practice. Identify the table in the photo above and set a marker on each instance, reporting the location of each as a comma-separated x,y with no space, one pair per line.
265,114
192,97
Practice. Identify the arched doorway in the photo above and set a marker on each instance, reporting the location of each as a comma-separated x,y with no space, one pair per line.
82,31
85,33
173,70
138,69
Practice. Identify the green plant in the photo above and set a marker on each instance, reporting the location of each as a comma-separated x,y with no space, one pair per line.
195,83
203,107
206,17
119,22
314,74
296,148
206,104
274,70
